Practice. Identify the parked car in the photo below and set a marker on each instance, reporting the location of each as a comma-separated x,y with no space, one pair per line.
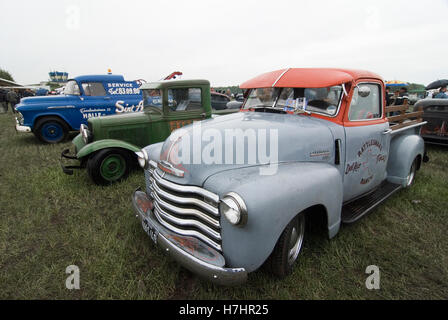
51,118
106,145
435,113
333,155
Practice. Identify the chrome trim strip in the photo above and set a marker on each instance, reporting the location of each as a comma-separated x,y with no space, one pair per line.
182,200
409,127
189,211
181,188
61,107
187,222
153,164
183,232
278,79
170,169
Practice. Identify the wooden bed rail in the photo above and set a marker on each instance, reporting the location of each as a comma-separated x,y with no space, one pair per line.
399,117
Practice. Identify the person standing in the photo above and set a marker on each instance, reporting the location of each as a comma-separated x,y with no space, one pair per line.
404,93
388,102
3,101
12,99
442,94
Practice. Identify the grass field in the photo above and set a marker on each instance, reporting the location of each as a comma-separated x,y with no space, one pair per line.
49,220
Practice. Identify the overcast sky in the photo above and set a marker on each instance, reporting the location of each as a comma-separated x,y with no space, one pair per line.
226,42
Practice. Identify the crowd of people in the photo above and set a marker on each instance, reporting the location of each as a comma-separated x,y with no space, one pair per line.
10,97
397,98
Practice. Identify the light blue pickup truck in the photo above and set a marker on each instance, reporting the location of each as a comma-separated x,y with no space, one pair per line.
50,118
227,195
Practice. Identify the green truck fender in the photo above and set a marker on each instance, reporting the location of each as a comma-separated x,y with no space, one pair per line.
90,148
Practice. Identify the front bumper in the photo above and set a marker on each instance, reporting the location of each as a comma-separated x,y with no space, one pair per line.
20,128
68,169
190,252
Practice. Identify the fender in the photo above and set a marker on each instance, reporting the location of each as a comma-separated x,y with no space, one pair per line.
154,150
105,143
272,202
403,150
44,115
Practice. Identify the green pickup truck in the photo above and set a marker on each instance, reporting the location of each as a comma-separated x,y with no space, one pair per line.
107,145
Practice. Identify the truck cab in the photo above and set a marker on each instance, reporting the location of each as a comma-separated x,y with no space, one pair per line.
308,143
106,146
51,118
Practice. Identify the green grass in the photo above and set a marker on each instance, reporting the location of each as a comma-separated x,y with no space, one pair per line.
49,220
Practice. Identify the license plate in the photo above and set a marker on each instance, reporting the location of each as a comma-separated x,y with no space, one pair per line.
149,230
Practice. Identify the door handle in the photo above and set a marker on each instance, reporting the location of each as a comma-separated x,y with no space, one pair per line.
387,131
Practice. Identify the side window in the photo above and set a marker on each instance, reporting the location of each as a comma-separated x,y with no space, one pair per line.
94,89
185,99
366,106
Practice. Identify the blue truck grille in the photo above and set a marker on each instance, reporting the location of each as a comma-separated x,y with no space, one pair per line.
186,210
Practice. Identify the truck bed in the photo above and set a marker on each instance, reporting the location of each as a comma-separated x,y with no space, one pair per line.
401,116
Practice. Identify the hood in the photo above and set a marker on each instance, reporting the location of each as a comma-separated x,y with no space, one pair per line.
118,120
245,139
129,127
33,103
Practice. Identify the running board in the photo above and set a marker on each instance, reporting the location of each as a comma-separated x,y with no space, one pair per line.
355,210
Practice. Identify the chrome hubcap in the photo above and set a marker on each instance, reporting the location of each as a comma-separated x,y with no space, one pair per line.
411,175
296,239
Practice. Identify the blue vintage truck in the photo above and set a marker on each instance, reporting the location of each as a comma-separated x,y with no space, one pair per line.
222,205
51,118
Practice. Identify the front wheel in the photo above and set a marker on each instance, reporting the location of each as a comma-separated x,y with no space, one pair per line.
108,166
51,130
288,247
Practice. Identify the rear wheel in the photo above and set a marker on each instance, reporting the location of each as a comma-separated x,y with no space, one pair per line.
51,130
288,247
411,175
108,166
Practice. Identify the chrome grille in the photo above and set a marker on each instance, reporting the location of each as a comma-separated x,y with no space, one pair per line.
186,210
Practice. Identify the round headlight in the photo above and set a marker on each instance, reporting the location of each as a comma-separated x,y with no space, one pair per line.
143,159
232,206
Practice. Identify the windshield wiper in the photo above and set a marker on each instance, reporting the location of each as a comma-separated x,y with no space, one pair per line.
300,111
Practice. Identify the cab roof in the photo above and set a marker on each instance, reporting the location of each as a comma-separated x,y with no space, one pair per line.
172,83
100,78
307,78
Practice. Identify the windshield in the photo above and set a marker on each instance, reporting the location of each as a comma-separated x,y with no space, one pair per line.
261,97
319,100
152,98
72,88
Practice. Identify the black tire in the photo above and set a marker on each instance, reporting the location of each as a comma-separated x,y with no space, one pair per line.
412,173
108,166
280,263
51,130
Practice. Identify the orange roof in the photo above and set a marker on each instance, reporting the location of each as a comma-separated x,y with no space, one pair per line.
306,78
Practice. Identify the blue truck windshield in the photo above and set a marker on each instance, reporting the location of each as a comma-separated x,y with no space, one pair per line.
72,88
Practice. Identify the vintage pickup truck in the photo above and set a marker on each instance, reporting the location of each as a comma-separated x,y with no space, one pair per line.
334,155
51,118
107,145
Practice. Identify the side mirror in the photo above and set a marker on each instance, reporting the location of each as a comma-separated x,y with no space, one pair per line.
364,91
